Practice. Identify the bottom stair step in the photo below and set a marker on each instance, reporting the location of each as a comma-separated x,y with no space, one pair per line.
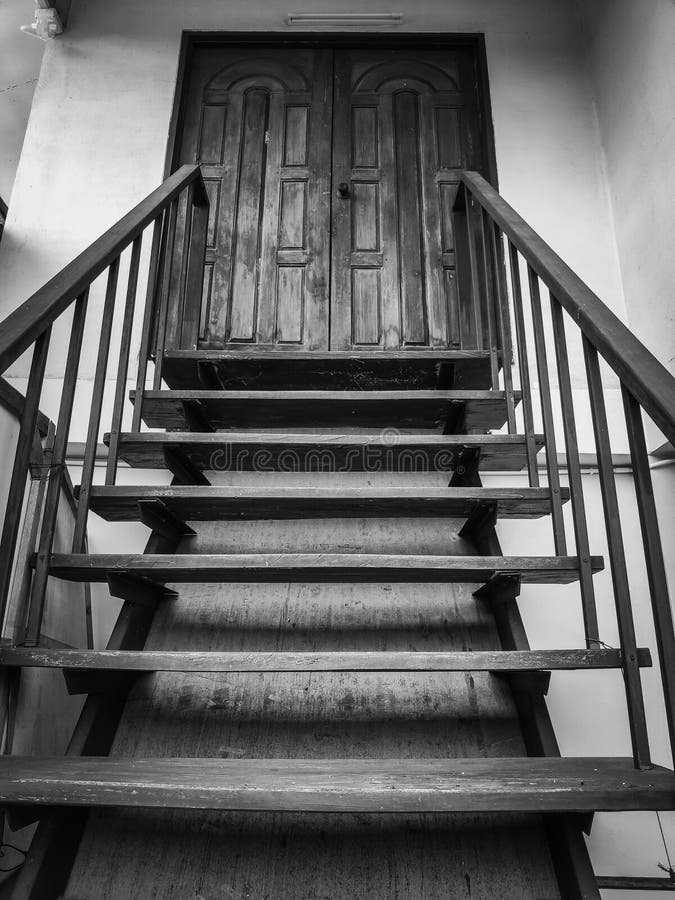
528,784
315,567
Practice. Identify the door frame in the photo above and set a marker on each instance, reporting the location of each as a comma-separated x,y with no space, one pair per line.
475,43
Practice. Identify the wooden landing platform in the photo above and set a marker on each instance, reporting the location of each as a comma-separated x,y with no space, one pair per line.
315,567
327,452
525,784
118,503
288,369
473,411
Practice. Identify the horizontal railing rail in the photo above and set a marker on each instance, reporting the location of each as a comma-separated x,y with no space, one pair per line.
502,251
31,326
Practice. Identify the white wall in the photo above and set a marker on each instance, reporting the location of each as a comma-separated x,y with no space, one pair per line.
20,59
104,101
632,58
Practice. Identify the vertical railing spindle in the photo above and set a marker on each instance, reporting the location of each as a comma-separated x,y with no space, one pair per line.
123,365
523,368
151,295
503,322
617,559
653,550
89,459
487,267
547,415
39,588
574,475
17,485
473,268
166,263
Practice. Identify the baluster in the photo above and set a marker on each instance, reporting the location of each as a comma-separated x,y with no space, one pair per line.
39,589
503,322
547,415
574,475
123,366
89,459
473,267
151,294
17,485
653,549
488,269
617,559
523,366
168,248
198,203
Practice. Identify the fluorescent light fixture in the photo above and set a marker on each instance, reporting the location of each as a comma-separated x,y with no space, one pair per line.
345,18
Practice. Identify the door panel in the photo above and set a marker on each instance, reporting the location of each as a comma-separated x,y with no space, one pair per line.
331,176
404,127
258,121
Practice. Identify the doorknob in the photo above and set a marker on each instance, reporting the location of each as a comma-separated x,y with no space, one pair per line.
343,190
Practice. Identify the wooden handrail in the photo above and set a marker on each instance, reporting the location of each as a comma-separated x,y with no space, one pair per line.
647,380
23,326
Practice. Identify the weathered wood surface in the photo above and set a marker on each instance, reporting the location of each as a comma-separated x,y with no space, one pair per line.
318,715
526,784
318,661
327,452
316,567
473,411
197,503
295,369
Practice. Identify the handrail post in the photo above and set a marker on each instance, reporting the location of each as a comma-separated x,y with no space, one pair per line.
198,204
488,294
166,265
503,320
653,550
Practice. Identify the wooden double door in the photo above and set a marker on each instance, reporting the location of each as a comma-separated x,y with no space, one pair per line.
331,175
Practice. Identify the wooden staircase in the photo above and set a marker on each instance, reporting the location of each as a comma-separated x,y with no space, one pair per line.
322,623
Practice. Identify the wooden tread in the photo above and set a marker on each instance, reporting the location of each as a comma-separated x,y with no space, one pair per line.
328,452
524,784
452,410
316,661
118,503
288,369
315,567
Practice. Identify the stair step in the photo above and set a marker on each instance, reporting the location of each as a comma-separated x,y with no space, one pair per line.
288,369
244,451
316,661
316,567
524,784
118,503
454,411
